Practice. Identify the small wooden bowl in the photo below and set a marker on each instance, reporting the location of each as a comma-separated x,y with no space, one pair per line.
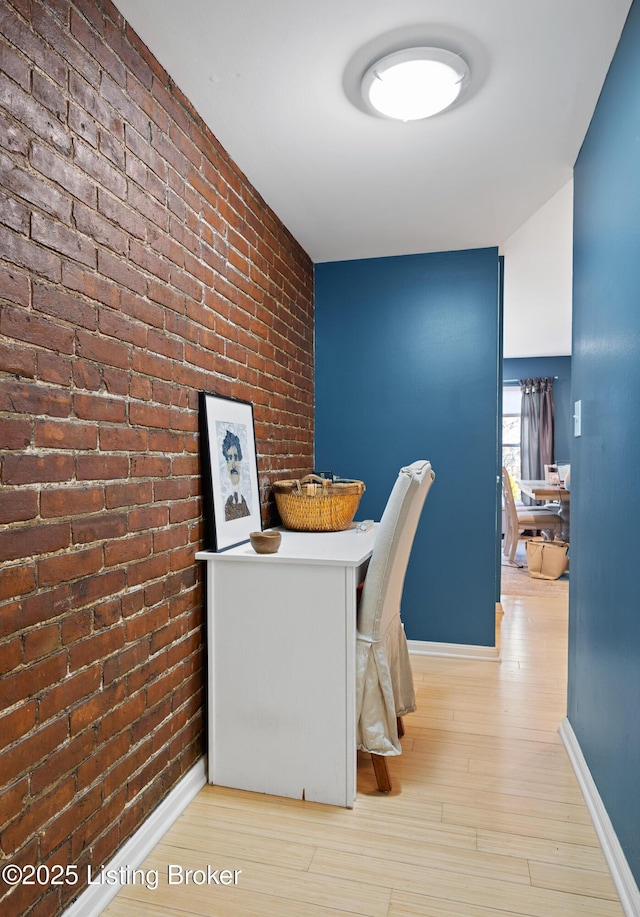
265,542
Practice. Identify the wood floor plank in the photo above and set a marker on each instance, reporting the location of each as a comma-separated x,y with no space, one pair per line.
234,839
543,850
219,838
472,744
517,823
237,902
572,879
496,701
405,904
362,834
500,801
538,772
527,786
302,887
502,730
466,889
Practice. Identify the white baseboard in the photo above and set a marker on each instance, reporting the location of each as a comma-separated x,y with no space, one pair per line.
624,881
94,899
455,650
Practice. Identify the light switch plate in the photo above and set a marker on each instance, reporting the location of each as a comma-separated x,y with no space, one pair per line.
577,419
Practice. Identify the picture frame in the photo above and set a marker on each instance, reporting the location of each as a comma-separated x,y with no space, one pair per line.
230,491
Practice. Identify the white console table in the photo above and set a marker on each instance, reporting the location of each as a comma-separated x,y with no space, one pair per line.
281,665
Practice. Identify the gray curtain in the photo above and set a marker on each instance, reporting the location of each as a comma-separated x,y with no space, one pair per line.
536,430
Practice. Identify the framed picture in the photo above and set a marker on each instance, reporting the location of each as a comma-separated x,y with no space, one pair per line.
229,471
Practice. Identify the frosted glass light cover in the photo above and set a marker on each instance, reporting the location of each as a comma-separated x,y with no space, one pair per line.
415,83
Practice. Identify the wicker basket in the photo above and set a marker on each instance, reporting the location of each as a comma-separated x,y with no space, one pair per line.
317,505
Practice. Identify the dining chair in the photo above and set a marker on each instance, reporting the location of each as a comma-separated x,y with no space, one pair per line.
384,682
519,519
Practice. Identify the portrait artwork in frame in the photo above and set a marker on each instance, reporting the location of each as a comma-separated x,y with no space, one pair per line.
229,471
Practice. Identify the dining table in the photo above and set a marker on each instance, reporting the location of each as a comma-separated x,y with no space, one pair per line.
548,492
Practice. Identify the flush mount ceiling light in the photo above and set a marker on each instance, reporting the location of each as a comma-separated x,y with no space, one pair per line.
414,83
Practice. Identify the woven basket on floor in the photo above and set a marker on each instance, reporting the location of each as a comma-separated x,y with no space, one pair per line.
314,504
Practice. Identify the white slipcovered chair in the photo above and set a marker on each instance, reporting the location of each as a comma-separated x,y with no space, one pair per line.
519,519
384,683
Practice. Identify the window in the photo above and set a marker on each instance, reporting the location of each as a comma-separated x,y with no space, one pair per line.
511,398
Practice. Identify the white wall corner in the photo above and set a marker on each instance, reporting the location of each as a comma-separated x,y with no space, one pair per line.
538,280
95,898
623,879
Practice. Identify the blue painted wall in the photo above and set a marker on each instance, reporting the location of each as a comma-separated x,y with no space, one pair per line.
537,367
604,636
407,367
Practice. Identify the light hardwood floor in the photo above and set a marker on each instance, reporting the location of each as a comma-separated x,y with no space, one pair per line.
485,820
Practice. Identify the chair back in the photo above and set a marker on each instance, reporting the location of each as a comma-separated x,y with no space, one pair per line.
509,502
384,582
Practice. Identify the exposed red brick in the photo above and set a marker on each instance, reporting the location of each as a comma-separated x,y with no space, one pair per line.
122,439
16,581
41,642
18,505
21,182
101,467
29,609
94,708
116,381
96,288
95,647
14,358
98,527
148,415
28,541
53,368
34,329
29,400
115,325
98,168
63,761
147,570
99,229
71,501
95,766
83,839
11,655
90,589
102,350
130,658
76,625
148,518
130,494
69,566
71,689
140,268
12,802
52,234
127,549
50,434
67,820
148,466
121,718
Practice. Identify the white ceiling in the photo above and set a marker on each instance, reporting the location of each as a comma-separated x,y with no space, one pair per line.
273,80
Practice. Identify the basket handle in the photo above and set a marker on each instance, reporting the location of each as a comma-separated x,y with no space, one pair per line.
310,479
316,480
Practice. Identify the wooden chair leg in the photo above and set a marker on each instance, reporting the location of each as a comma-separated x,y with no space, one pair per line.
382,773
400,724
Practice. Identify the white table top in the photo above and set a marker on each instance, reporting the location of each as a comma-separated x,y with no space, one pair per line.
349,548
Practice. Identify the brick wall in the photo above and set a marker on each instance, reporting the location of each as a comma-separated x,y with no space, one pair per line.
137,267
